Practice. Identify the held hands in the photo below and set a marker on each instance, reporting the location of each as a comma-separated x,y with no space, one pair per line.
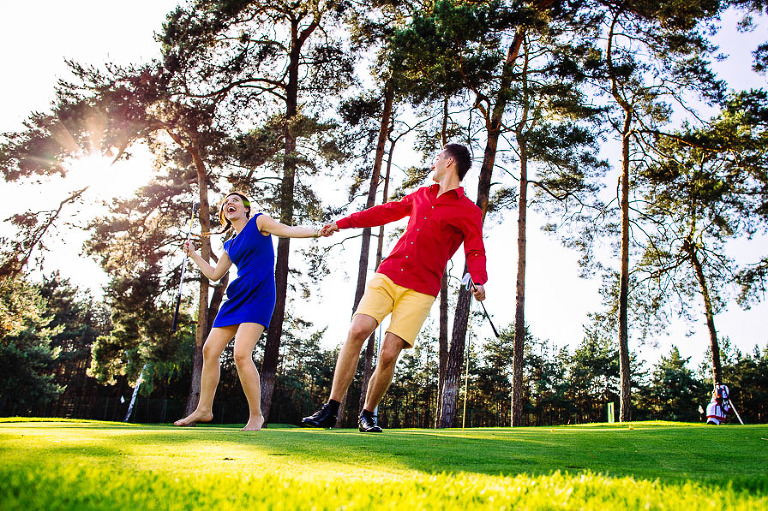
189,247
328,229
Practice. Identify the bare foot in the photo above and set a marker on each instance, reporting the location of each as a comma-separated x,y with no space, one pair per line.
193,418
254,423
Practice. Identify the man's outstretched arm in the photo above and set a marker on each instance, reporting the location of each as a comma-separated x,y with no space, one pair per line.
372,217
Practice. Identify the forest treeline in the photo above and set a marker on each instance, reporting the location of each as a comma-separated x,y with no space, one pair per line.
281,100
562,385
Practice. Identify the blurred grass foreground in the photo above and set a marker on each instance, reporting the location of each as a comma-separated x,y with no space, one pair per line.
98,465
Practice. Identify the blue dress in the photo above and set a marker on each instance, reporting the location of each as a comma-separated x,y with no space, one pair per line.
251,296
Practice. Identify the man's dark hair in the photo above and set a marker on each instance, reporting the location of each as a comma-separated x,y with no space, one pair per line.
460,155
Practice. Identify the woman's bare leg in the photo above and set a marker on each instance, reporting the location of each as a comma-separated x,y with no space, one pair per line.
245,341
209,380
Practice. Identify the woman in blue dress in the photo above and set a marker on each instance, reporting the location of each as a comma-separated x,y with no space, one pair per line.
249,305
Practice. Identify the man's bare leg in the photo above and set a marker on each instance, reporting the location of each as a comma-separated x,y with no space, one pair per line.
346,364
361,328
384,372
209,380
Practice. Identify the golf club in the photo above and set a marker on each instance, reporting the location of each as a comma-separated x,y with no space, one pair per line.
183,268
467,282
735,411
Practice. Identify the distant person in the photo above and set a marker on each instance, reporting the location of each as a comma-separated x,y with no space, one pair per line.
249,305
719,407
406,283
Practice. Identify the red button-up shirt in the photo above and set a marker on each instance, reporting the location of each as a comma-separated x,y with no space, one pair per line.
436,228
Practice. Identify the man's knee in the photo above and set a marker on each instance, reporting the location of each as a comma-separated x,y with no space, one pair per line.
361,328
391,349
387,360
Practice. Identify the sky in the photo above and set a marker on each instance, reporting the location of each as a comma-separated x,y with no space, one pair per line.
36,37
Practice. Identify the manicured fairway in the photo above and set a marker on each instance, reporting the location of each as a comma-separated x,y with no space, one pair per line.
90,465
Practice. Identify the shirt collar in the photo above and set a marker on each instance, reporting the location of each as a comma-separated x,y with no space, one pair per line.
459,191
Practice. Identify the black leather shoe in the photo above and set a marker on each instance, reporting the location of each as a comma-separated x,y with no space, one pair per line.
368,424
323,418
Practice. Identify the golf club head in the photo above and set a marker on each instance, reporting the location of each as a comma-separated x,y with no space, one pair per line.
467,281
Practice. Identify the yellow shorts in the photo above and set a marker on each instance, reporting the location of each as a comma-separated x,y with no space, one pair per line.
409,308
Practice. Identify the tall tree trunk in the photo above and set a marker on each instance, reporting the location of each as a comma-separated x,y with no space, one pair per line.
493,126
201,331
455,360
626,132
717,370
624,372
519,345
275,331
518,353
282,267
442,341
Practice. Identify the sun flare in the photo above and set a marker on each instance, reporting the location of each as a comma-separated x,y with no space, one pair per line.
106,179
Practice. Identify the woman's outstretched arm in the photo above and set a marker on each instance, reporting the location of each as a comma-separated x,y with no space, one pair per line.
271,226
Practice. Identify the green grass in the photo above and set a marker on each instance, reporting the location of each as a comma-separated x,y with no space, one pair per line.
47,464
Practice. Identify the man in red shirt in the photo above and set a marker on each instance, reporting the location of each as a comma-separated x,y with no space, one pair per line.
407,282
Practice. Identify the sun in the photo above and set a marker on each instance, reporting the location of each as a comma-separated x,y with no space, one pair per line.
106,179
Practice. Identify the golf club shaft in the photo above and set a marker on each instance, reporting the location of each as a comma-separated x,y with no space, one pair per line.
178,295
489,320
736,411
183,270
487,316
